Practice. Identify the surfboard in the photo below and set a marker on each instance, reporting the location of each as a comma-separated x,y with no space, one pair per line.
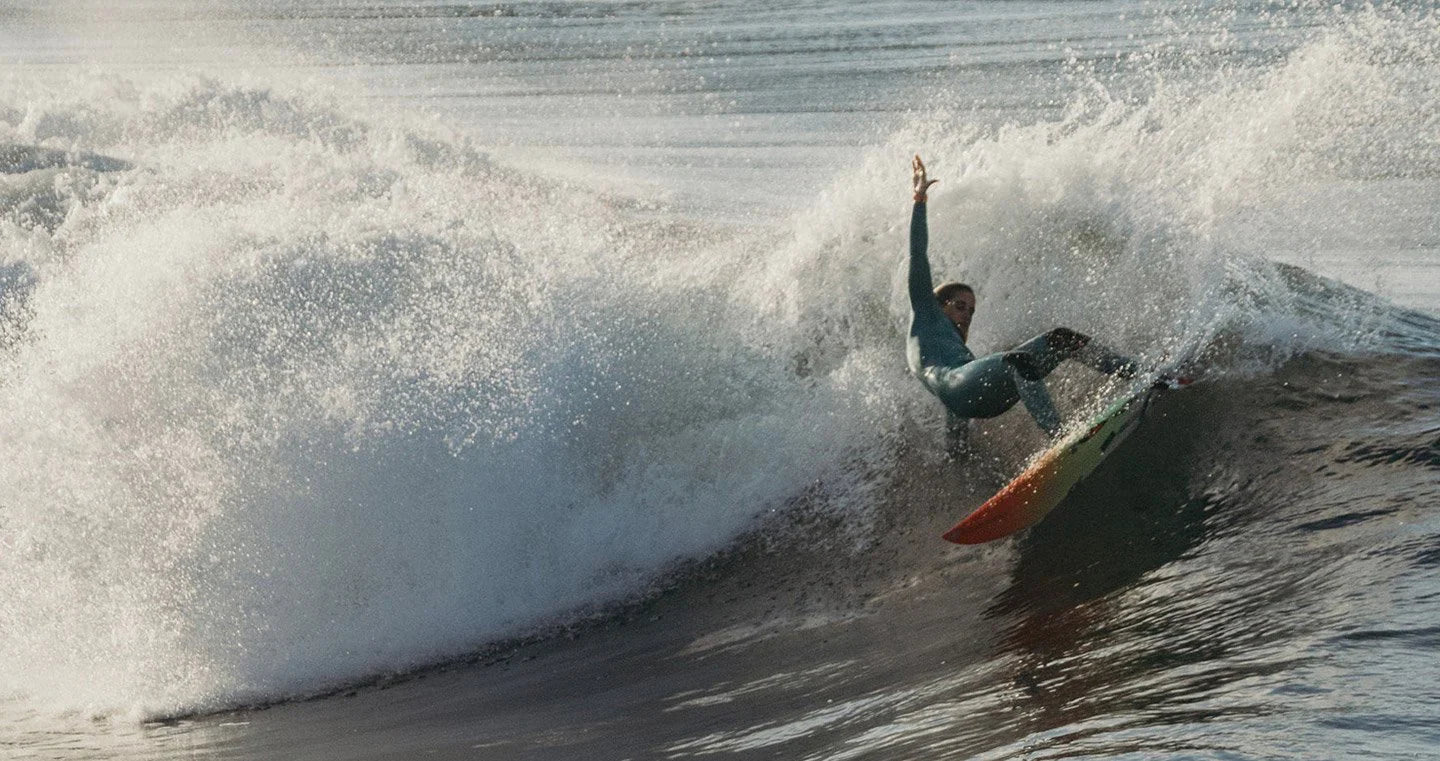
1048,480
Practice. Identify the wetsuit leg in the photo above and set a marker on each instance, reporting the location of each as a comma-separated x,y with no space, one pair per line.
1038,403
1098,357
979,389
989,386
1033,360
1039,356
957,435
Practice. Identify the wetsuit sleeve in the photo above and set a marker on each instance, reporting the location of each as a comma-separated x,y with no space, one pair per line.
933,339
922,284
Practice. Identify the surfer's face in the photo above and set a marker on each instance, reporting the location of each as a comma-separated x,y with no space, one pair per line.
960,308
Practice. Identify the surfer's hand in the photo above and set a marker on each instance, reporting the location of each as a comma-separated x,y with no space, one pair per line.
921,185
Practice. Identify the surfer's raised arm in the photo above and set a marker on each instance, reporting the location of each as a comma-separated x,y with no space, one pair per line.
921,281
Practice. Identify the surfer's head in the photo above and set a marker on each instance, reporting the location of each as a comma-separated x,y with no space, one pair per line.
957,301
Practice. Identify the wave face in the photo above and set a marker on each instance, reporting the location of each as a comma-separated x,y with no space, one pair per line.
299,392
303,398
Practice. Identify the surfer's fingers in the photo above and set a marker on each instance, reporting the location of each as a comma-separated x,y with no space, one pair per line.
920,171
922,182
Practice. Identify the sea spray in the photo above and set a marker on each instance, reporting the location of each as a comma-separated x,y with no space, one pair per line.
1148,219
303,399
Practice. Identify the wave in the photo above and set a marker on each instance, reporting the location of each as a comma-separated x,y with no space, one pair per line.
304,398
297,397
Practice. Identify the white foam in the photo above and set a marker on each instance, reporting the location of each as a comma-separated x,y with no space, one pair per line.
305,399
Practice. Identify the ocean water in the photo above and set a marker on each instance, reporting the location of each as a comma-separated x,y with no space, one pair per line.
525,380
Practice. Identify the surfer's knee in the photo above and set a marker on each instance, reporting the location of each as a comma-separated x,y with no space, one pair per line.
1066,340
1024,365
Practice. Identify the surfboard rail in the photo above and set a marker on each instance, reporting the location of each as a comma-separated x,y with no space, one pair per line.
1043,485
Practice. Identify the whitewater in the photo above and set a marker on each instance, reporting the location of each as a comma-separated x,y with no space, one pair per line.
526,380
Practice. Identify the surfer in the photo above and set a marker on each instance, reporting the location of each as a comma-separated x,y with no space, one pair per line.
989,385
